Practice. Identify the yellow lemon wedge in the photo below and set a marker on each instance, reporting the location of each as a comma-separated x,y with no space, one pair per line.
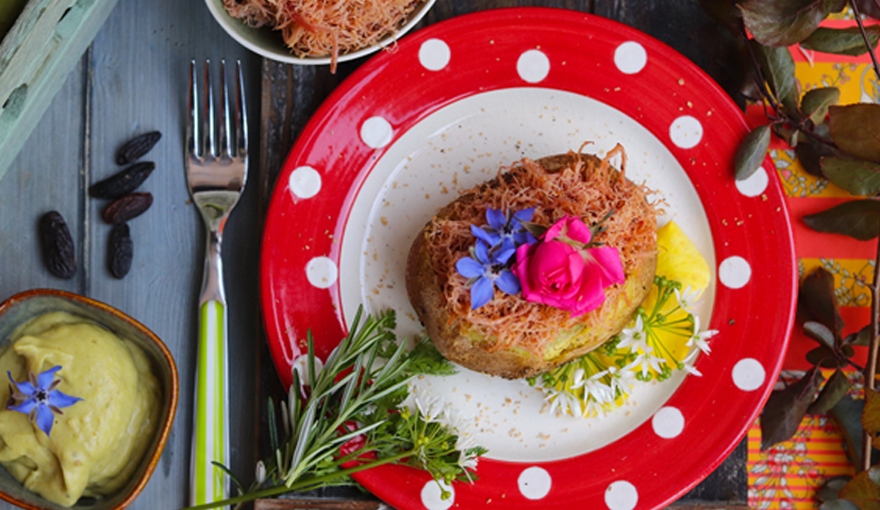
679,259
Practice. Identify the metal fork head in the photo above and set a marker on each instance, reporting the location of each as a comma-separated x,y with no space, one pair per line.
217,153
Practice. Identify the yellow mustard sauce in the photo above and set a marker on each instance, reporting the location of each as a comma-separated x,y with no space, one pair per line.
96,445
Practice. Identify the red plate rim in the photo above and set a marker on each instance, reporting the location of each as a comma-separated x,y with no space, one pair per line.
652,84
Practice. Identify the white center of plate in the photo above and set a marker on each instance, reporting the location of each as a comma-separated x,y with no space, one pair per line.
457,147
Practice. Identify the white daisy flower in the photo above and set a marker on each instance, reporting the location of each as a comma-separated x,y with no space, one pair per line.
634,337
687,297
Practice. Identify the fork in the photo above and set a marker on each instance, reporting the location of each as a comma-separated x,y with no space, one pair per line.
216,175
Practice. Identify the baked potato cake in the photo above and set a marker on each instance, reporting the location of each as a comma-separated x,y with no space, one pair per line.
510,336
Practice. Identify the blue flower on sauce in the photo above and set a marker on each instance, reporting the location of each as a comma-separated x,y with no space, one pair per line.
38,398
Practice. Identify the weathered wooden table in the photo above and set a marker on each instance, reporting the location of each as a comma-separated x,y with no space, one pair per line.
133,79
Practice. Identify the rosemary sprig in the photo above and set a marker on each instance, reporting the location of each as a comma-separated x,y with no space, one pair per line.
351,415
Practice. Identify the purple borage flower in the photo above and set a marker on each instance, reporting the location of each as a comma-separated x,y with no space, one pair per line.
38,398
485,269
505,231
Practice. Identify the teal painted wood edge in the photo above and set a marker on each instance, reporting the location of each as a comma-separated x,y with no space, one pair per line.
36,56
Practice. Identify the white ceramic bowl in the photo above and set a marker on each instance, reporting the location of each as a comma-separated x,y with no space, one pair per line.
269,44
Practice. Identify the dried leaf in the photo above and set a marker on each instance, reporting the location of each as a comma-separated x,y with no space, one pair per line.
817,301
841,41
725,13
786,408
823,357
857,176
871,415
751,152
828,491
782,22
847,414
859,219
862,490
815,102
838,504
777,67
863,337
855,129
869,8
820,332
836,387
810,151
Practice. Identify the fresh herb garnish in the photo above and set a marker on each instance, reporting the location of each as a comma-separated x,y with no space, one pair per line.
356,413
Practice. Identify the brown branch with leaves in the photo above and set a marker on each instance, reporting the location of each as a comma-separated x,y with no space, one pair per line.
840,144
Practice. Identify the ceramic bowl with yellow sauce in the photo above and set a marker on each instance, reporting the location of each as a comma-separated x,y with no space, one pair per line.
102,449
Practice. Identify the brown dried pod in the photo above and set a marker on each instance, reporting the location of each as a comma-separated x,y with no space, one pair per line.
120,250
135,148
59,253
127,207
122,182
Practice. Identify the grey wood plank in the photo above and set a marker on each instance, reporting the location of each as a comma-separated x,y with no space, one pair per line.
140,71
135,80
50,155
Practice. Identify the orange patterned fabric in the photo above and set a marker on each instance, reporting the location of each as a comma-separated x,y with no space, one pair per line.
788,475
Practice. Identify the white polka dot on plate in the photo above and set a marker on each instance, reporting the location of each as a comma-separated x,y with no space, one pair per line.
686,132
534,482
434,54
621,495
630,57
755,184
376,132
734,272
668,422
748,374
533,66
432,496
304,182
322,272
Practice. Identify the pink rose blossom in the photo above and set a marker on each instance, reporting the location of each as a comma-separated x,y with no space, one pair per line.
559,271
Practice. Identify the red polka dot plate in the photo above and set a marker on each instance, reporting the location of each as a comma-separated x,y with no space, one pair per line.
442,112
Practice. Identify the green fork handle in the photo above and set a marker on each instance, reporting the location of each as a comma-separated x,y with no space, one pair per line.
211,415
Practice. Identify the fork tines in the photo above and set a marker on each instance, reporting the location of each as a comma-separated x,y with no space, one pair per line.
202,139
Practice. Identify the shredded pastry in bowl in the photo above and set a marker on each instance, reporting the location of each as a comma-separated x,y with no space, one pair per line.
321,28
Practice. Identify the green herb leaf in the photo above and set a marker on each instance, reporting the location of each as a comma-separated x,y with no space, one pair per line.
836,387
815,102
863,490
786,408
782,22
751,152
841,41
777,66
855,129
817,302
859,219
857,176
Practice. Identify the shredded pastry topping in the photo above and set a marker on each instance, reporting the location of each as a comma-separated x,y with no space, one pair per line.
589,189
321,28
